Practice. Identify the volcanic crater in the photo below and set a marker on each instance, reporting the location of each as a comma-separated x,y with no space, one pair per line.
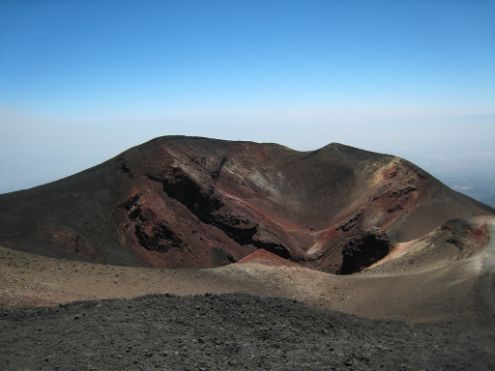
189,202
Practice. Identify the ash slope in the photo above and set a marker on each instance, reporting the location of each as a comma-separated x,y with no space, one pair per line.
198,202
424,280
231,332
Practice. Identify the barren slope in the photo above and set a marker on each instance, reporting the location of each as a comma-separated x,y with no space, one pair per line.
230,332
433,279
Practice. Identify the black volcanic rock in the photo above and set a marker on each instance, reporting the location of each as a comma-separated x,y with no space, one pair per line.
363,250
231,332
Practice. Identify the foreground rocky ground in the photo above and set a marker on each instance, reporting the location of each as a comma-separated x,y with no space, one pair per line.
230,332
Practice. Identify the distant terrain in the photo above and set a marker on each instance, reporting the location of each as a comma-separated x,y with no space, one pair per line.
489,200
473,183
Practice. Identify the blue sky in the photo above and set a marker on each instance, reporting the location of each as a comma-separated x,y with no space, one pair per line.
157,57
391,76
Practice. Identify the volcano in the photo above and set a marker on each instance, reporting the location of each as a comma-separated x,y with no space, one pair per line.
189,202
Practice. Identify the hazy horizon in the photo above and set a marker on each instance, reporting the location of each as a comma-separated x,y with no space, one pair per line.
81,82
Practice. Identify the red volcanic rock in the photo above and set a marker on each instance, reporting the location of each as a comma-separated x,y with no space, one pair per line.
261,256
197,202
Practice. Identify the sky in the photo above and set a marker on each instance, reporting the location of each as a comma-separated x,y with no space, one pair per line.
81,81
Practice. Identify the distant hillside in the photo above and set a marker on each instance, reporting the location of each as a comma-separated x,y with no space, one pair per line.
489,200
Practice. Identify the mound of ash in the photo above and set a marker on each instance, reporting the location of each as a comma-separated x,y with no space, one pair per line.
230,332
197,202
